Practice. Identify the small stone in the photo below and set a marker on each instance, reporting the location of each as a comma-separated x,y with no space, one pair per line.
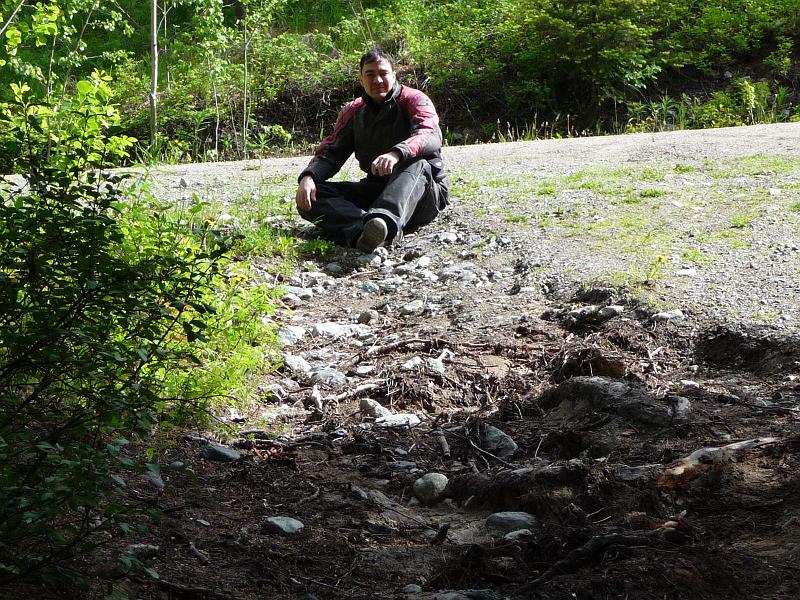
296,364
458,272
428,275
141,551
611,311
314,399
275,391
401,420
423,262
429,488
412,588
686,272
368,316
402,465
220,453
358,493
202,522
292,301
327,376
497,442
405,268
369,260
301,292
338,331
448,237
680,407
690,384
775,192
373,408
668,315
519,535
177,465
291,335
411,364
365,370
583,312
510,521
370,287
792,378
435,365
283,525
334,267
412,308
155,480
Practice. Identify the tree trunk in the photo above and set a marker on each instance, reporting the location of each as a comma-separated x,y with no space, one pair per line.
154,72
244,90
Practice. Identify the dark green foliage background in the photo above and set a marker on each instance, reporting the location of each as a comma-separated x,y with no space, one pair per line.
497,69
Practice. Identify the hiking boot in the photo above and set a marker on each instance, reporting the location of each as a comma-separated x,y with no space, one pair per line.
374,235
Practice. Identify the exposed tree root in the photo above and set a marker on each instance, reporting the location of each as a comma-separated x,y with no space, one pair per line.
593,550
507,487
681,472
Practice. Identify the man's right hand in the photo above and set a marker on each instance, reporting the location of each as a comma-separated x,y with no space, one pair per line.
306,193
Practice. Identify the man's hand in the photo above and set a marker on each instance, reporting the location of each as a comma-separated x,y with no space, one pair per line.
384,164
306,193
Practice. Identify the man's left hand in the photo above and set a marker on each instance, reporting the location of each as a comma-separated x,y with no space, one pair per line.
384,164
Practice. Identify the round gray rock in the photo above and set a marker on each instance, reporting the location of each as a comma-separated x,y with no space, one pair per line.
283,525
429,488
511,521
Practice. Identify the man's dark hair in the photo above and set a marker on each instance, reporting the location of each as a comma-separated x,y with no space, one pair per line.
375,54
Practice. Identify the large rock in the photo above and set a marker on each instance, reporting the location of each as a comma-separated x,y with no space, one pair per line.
498,442
220,453
283,525
373,408
429,488
579,396
506,522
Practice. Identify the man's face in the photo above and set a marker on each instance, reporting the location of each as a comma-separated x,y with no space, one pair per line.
377,78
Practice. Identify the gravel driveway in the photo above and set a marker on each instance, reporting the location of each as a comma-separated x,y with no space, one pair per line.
707,221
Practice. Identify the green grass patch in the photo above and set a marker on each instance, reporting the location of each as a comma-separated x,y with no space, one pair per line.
652,193
741,220
517,218
757,164
694,255
547,189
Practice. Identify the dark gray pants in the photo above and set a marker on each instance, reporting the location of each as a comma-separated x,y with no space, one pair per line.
409,197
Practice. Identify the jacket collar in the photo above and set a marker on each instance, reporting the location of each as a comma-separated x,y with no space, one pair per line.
392,96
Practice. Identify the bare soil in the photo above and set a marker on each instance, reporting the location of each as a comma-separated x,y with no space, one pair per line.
608,413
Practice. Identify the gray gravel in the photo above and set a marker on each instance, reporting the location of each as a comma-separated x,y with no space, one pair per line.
727,228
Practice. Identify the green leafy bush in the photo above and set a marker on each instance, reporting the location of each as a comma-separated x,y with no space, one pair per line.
96,309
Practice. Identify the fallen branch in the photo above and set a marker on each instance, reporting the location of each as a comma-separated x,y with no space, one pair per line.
435,343
364,387
681,472
199,554
443,445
